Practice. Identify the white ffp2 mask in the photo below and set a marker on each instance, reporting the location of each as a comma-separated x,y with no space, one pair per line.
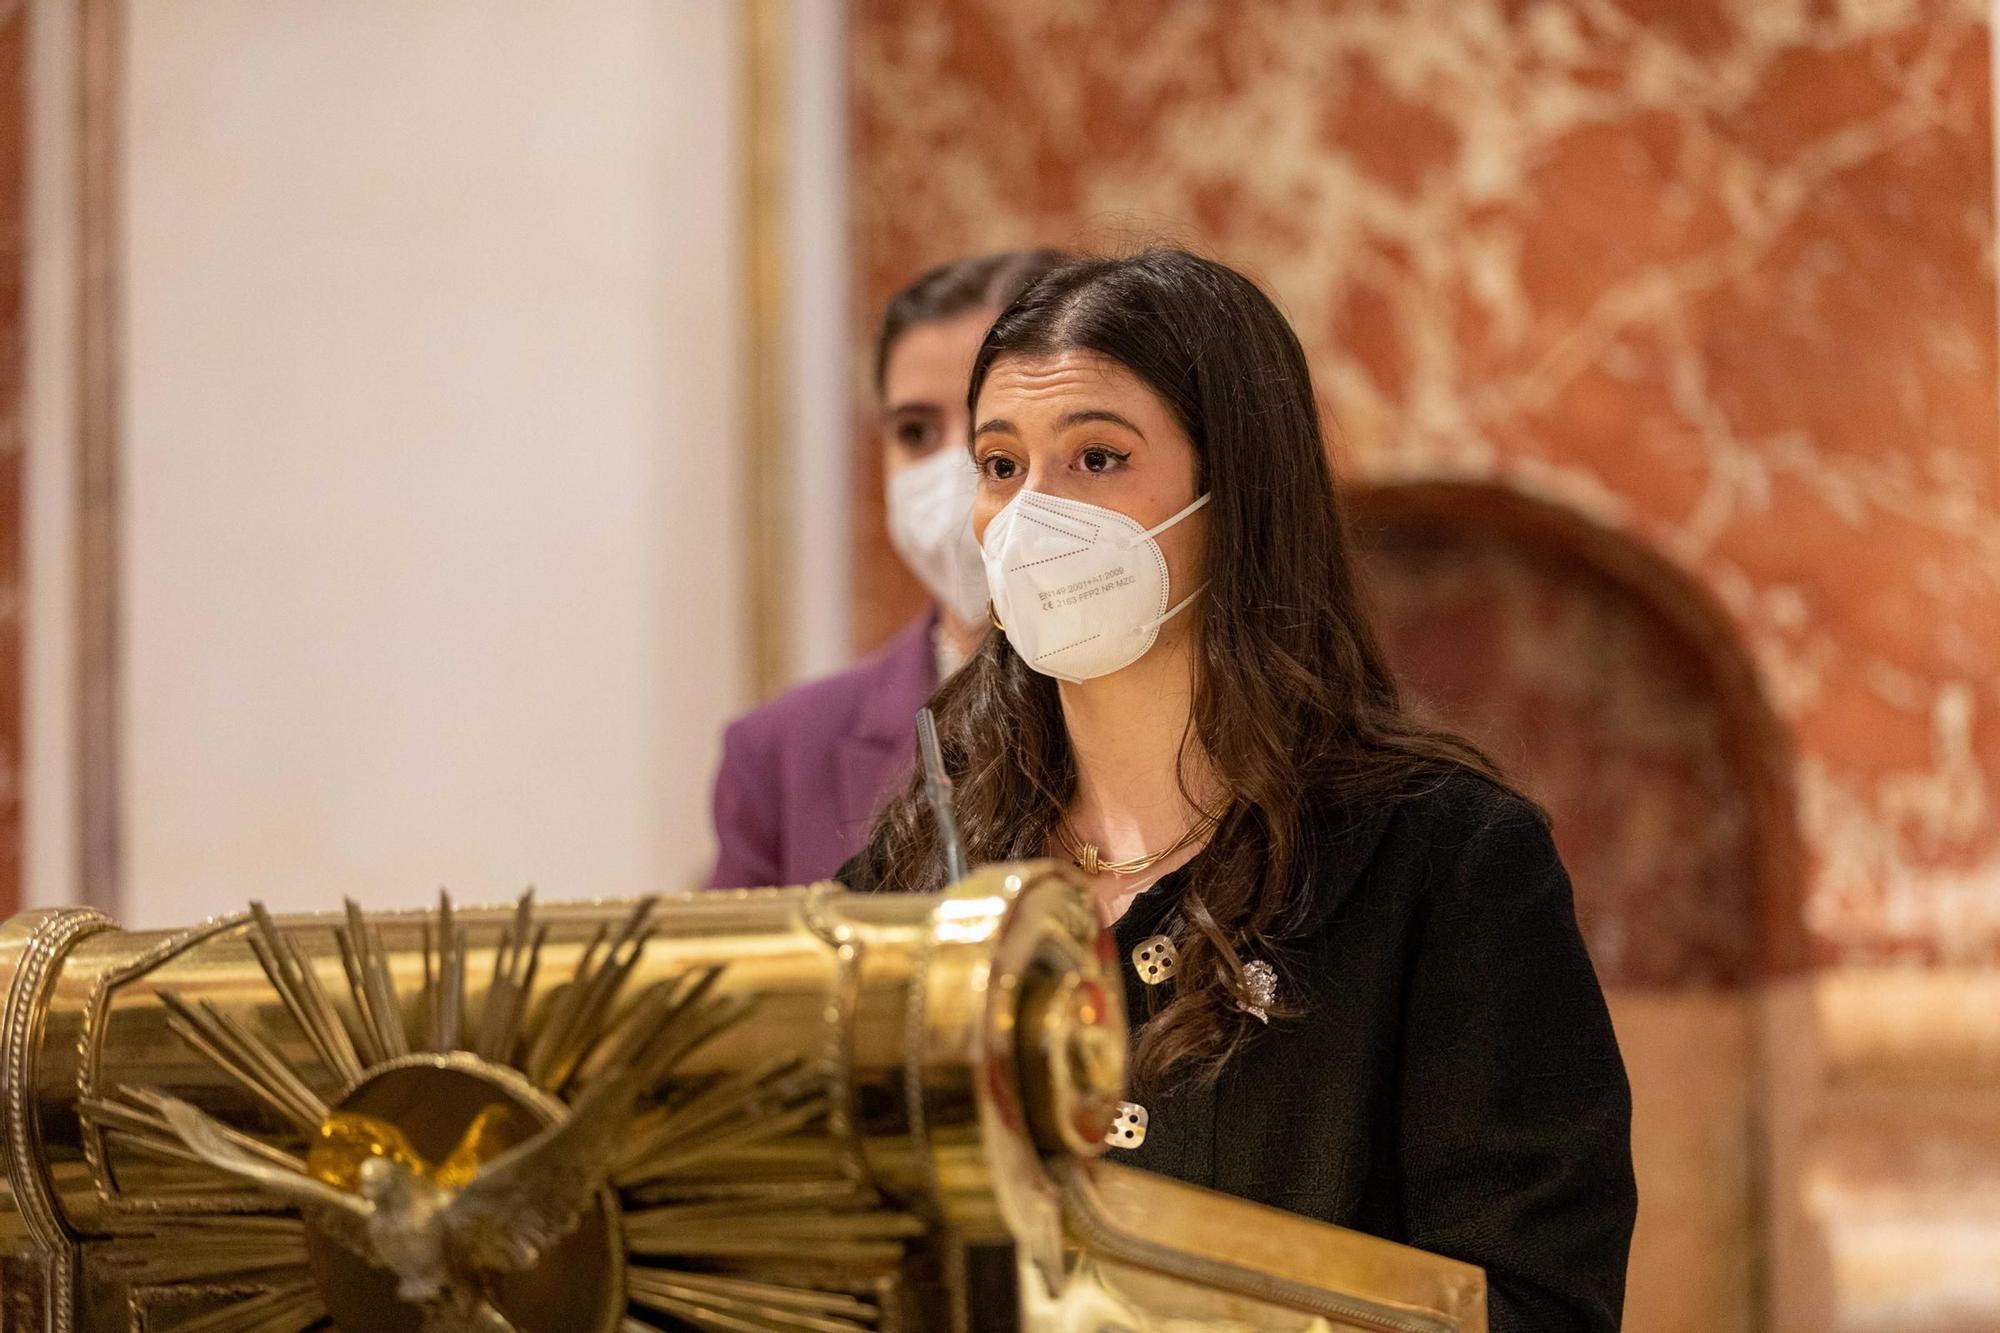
930,525
1080,590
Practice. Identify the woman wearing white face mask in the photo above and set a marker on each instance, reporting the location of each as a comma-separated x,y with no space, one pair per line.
1353,963
803,776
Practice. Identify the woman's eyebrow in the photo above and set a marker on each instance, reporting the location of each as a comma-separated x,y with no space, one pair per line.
996,426
1090,414
915,407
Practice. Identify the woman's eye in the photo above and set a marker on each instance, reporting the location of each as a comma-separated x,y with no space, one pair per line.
1101,460
998,467
915,435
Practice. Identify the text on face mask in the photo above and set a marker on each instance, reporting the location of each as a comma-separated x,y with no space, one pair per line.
1083,590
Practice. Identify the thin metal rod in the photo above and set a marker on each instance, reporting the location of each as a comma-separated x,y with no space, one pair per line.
937,786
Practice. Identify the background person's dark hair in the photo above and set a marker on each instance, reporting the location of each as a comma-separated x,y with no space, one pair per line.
977,282
1293,702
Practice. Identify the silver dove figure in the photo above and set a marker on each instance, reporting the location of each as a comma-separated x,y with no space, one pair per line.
440,1241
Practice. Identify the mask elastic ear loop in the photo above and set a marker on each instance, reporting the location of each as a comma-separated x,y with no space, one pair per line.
1155,531
1179,606
1182,604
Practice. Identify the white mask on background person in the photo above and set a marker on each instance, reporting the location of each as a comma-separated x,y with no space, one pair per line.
930,525
1080,590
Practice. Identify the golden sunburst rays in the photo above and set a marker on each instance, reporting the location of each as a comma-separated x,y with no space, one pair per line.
733,1221
196,1248
248,1273
802,1254
731,1304
135,1121
736,1213
294,1306
850,1232
296,981
672,1141
381,1034
580,1014
515,964
248,1058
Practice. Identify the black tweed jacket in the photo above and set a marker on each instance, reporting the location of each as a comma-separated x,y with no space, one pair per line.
1450,1079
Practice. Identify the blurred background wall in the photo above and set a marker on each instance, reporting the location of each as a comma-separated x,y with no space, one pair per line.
422,425
418,400
412,396
13,369
1659,341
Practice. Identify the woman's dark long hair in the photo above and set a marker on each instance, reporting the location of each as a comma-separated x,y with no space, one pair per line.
1293,706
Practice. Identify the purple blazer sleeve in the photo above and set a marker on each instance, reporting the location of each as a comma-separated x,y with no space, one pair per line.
748,829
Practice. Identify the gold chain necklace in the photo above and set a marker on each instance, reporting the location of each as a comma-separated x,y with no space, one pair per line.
1086,857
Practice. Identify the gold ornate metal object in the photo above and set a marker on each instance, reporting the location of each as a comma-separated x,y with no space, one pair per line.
780,1109
445,1233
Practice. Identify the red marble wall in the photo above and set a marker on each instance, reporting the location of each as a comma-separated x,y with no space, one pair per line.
1595,705
1715,274
13,262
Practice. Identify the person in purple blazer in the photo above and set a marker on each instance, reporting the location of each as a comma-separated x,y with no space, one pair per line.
803,776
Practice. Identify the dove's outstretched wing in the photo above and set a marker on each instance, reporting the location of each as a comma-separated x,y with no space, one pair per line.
341,1215
533,1195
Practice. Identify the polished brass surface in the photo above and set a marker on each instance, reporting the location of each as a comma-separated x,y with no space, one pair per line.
1175,1257
848,1104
